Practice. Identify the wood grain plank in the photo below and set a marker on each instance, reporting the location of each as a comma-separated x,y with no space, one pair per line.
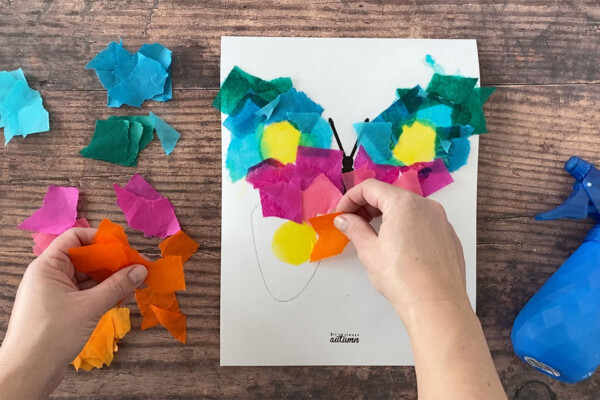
542,54
543,42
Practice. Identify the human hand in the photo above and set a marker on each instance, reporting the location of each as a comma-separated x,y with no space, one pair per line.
416,259
55,311
416,262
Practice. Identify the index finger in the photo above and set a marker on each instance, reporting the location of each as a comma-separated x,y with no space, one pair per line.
74,237
372,193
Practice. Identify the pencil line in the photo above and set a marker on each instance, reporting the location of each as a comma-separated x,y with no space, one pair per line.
261,271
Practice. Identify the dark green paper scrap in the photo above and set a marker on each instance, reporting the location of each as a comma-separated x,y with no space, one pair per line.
471,109
116,141
239,83
455,91
120,139
147,123
452,87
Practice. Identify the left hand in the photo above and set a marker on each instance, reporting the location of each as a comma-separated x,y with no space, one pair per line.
55,311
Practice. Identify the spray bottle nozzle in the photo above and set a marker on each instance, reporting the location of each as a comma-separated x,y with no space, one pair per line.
584,201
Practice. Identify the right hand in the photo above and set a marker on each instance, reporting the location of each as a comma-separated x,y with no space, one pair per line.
416,260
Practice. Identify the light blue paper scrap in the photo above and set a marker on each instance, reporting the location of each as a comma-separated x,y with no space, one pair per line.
146,80
21,108
242,154
163,55
245,120
316,131
291,101
166,134
376,138
458,153
439,115
132,78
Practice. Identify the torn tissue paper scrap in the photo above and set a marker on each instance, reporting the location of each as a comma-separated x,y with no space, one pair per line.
110,251
120,139
321,197
175,322
179,244
43,240
331,241
21,109
116,141
159,306
102,344
147,127
57,214
146,297
167,135
132,78
145,209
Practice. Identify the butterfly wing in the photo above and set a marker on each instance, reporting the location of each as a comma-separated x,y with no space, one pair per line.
281,145
423,136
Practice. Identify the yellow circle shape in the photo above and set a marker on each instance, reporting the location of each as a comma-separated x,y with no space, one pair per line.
416,144
292,243
280,141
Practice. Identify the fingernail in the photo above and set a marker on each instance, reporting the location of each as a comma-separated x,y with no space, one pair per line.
340,222
137,275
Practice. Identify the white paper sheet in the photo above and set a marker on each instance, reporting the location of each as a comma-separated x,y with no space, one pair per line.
276,314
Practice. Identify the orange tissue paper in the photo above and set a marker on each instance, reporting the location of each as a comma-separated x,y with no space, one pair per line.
109,252
178,244
331,240
102,344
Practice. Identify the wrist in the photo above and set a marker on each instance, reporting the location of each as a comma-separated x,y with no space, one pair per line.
25,378
438,315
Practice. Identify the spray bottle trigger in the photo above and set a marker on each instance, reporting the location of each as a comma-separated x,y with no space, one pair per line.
574,207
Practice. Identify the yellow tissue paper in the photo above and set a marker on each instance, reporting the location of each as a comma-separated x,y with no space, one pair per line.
416,144
280,141
292,243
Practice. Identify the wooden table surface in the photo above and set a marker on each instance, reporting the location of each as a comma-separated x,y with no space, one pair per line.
543,56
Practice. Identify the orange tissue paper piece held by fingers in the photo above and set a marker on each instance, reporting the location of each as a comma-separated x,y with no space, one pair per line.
110,256
108,253
147,297
102,344
173,321
109,232
101,260
331,241
179,244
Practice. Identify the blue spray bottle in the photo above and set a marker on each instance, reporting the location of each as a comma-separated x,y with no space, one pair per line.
558,330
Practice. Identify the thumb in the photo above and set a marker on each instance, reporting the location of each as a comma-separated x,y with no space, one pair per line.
357,229
117,286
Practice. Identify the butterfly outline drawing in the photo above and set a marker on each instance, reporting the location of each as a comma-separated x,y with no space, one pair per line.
263,99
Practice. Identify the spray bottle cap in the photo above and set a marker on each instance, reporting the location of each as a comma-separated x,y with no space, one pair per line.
577,167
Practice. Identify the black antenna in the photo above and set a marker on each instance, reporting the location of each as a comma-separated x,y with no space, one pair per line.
337,138
348,160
